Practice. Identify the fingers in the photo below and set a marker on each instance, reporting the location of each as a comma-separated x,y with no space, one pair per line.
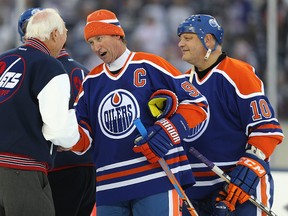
221,196
61,149
235,194
147,152
229,205
243,197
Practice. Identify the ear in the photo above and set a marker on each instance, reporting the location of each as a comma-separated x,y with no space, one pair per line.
117,36
209,40
54,34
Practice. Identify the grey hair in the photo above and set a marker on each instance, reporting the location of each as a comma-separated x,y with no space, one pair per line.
43,22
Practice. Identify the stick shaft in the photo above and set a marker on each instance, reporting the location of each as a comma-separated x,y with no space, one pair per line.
177,187
142,130
192,74
226,178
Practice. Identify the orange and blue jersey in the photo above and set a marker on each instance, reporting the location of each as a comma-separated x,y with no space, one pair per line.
240,113
108,104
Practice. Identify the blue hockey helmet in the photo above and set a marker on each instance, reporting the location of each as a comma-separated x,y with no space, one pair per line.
25,16
201,24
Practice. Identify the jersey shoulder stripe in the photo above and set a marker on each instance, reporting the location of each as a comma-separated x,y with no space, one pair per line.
242,74
97,70
156,60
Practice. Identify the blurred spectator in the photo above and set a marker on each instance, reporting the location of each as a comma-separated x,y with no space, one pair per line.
239,13
242,50
151,35
6,21
176,13
150,26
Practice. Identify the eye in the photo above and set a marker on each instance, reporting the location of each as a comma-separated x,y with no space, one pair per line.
99,38
91,42
188,38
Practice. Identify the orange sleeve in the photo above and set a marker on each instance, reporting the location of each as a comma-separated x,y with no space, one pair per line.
266,144
83,143
192,113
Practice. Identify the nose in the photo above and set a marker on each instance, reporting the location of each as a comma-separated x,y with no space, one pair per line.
180,43
95,47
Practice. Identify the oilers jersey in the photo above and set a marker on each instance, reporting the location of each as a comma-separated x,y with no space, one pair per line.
107,106
240,113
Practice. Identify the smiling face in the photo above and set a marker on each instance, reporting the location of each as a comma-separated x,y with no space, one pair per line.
192,49
107,47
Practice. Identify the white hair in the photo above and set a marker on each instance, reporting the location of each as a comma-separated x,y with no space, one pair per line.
43,22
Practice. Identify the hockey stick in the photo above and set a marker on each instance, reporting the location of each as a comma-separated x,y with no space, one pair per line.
142,130
226,178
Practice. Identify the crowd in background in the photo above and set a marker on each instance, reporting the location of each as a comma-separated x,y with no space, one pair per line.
151,26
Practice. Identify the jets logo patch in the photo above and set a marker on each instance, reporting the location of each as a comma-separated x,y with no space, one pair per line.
76,78
116,114
12,71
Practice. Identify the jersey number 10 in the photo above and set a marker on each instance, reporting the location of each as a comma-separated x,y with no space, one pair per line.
260,109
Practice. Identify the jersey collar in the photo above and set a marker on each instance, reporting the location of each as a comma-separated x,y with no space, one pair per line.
120,62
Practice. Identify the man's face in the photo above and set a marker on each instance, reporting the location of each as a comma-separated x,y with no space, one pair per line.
60,39
191,47
106,47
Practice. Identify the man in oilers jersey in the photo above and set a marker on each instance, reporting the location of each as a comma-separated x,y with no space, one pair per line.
129,178
35,116
242,131
72,177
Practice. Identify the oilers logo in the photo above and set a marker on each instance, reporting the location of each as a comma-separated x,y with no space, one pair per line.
12,70
214,23
116,114
197,131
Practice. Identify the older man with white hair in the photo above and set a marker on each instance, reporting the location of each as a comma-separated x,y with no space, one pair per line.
34,98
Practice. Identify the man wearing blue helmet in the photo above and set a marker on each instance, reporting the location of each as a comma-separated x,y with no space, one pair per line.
242,132
72,177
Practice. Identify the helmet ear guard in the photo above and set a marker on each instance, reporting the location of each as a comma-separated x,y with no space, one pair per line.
202,24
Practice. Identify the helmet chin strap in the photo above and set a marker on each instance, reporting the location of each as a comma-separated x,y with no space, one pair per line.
209,51
207,54
191,75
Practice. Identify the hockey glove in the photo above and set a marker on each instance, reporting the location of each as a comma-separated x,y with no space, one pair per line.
245,178
163,103
222,209
162,137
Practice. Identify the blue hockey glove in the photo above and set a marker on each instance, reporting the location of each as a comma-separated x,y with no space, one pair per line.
161,137
245,178
163,103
